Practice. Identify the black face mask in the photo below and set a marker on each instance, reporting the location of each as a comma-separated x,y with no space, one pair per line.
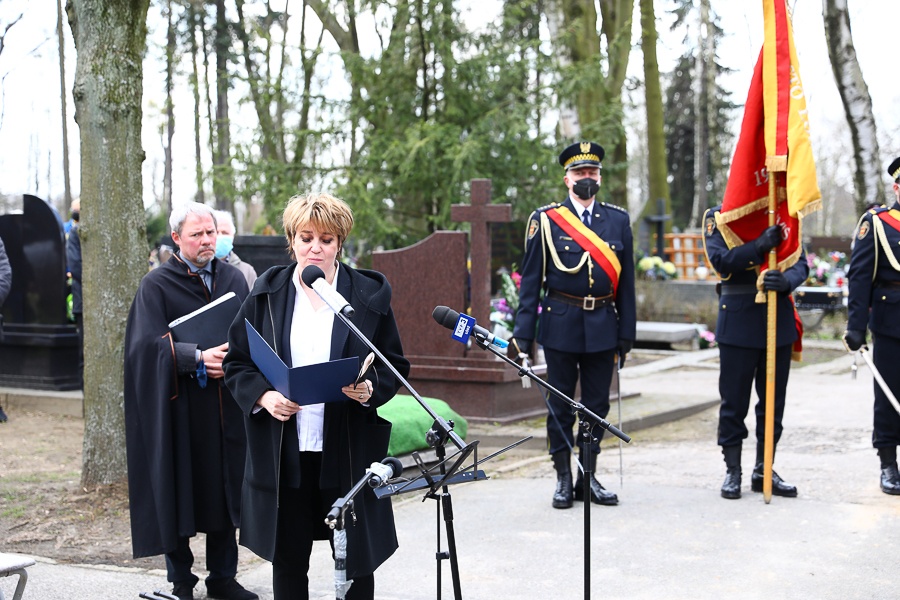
75,215
586,188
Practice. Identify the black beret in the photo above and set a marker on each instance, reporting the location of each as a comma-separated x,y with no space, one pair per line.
580,154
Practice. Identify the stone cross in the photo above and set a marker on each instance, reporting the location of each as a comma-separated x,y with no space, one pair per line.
479,213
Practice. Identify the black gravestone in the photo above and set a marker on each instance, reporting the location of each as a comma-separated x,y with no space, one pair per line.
262,251
39,347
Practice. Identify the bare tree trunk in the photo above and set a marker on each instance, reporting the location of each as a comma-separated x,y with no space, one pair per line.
268,145
62,102
110,38
705,77
599,106
222,157
868,179
656,136
170,110
195,17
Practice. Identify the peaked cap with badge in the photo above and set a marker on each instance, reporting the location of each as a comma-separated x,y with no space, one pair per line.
894,170
581,154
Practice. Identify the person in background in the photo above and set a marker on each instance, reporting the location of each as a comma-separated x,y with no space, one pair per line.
873,297
73,262
579,254
303,457
74,210
741,329
5,286
225,245
184,433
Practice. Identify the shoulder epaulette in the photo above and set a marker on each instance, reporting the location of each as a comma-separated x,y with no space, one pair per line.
547,206
877,209
615,206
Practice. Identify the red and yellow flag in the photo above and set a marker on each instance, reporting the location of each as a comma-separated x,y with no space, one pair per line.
773,142
788,147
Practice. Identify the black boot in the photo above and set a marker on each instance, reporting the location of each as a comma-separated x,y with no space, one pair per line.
562,497
779,486
890,476
731,487
599,494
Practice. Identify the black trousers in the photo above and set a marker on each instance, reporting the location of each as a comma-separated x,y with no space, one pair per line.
301,520
886,420
563,370
221,558
739,369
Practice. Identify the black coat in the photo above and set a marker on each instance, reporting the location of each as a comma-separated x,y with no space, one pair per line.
568,328
73,263
741,320
354,435
185,444
874,283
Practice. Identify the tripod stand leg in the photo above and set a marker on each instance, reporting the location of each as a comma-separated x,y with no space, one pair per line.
451,543
444,502
586,495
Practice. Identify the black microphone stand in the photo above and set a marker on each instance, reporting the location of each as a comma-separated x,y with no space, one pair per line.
586,424
441,431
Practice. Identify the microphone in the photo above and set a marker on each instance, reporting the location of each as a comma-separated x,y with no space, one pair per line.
450,319
384,471
314,277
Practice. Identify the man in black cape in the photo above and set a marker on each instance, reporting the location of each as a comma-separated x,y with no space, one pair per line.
184,432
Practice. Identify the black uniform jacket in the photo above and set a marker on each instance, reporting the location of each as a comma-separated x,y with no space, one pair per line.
741,320
173,425
354,435
874,282
563,326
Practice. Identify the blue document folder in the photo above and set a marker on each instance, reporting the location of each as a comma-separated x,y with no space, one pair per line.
309,384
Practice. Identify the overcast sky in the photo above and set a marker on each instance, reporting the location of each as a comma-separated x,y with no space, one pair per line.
31,138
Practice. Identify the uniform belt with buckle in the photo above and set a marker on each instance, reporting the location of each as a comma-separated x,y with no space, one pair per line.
583,302
737,289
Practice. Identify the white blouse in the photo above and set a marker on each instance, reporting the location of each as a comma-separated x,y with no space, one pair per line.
310,344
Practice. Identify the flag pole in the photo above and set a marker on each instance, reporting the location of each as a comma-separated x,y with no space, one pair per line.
771,320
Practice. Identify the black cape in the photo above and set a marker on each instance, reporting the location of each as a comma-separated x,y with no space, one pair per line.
186,444
354,436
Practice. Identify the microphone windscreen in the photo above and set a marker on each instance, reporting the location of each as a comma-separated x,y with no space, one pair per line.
447,317
311,274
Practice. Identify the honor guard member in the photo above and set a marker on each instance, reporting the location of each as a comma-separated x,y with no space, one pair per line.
577,299
874,300
741,329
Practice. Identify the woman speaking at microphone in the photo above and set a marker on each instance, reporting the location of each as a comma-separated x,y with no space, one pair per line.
302,457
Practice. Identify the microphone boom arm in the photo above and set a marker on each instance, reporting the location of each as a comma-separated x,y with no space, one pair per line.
577,406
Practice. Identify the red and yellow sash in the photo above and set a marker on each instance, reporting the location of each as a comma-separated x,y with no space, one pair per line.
590,242
891,217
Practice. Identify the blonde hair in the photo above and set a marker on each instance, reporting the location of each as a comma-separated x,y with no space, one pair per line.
320,211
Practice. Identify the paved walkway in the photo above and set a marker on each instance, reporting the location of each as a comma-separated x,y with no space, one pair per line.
672,536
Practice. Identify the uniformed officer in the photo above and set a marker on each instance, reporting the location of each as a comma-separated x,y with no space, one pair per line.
579,269
741,329
874,299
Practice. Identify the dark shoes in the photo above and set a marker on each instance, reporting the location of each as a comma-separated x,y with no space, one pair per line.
599,494
731,487
890,480
562,497
228,589
779,486
183,591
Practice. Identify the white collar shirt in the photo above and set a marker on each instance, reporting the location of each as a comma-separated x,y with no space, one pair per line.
310,344
582,209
